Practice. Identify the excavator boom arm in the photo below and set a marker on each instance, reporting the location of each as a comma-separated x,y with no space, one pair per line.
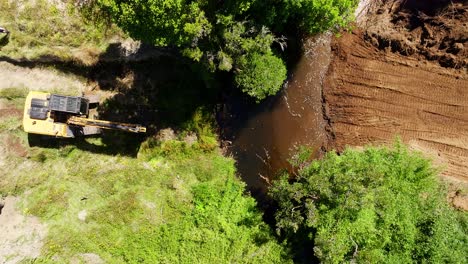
81,121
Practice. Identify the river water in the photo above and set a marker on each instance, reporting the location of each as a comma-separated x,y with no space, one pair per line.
270,133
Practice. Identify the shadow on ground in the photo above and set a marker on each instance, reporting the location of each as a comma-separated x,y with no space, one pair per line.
126,146
4,39
159,91
165,91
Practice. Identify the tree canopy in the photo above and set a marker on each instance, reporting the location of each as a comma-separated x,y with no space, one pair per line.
224,34
260,75
372,206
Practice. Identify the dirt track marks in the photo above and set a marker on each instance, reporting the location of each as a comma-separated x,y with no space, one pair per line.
374,96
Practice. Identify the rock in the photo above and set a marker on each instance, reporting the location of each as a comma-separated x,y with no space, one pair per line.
191,139
461,202
166,134
129,47
82,215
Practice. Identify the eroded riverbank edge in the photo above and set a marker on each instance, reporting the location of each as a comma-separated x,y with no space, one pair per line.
402,73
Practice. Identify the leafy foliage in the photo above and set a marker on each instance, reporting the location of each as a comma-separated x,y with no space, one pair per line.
311,16
161,22
223,227
378,205
223,35
260,75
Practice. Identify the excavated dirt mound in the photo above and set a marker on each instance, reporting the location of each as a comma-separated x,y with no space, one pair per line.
404,73
434,30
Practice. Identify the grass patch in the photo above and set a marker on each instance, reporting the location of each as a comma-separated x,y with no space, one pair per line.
10,123
13,93
62,31
138,211
177,202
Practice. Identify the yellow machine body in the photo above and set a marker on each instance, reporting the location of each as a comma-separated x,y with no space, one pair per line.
44,127
66,116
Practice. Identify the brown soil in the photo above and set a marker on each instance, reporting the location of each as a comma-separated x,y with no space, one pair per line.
459,199
404,73
14,146
434,30
39,78
11,143
10,112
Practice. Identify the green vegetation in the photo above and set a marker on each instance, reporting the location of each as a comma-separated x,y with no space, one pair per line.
175,198
13,93
310,16
227,36
224,37
178,201
260,75
374,206
41,29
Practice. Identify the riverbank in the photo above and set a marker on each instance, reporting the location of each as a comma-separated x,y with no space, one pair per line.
390,57
403,73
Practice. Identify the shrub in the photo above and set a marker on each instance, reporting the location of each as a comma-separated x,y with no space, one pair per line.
372,206
260,75
315,16
307,16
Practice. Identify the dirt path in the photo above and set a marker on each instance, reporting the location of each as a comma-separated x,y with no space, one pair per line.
21,237
376,90
39,78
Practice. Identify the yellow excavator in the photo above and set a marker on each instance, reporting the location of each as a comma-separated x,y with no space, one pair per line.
67,116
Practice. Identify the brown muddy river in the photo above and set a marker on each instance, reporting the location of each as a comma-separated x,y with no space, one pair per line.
272,131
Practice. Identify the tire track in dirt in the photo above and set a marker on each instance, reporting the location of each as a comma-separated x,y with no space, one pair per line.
374,96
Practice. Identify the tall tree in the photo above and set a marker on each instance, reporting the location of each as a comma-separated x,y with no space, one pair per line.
224,34
372,206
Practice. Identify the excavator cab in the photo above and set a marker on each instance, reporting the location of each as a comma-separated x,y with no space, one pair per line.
66,116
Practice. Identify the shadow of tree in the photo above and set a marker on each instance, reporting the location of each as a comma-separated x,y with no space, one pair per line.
55,62
162,92
153,87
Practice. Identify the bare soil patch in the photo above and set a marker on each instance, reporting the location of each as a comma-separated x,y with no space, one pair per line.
404,74
14,146
21,237
459,200
10,112
434,30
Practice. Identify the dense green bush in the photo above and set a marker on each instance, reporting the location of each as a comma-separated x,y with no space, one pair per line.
223,227
319,15
372,206
310,16
221,34
260,75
